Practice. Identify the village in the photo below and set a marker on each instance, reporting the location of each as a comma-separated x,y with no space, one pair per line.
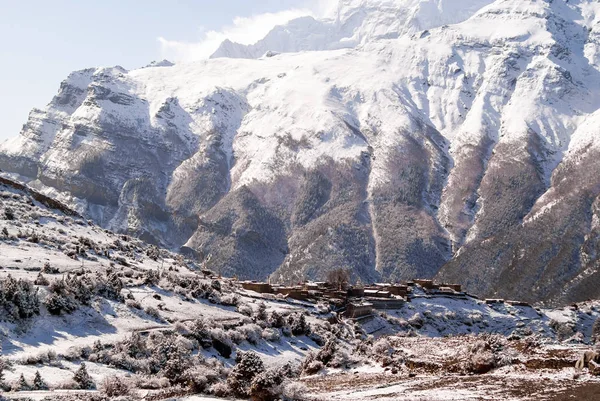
356,302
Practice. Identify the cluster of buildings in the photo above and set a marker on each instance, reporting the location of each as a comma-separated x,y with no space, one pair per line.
357,301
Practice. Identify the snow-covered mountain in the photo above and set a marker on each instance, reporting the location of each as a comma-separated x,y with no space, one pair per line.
408,138
354,23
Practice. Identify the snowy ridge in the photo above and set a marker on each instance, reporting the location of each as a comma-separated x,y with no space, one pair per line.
354,23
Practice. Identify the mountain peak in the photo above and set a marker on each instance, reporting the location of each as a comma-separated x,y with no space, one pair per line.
355,22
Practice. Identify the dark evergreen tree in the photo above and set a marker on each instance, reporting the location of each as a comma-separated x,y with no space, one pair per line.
22,384
38,382
83,380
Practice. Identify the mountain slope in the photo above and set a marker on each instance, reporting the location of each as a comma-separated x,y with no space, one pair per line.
465,151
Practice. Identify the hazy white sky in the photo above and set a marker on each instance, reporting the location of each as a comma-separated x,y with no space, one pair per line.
43,41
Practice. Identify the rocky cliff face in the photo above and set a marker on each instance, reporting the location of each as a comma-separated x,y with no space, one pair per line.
458,140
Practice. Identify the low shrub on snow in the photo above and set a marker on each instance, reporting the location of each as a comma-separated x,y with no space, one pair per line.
201,378
382,348
267,385
271,334
115,387
230,299
244,309
251,332
152,311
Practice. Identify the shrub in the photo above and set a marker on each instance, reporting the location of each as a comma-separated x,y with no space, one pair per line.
214,297
172,358
132,303
3,366
115,387
244,309
151,277
293,391
261,313
200,378
248,366
9,213
382,348
200,331
266,385
220,389
563,330
313,367
153,252
110,287
276,320
416,321
342,359
58,303
49,269
230,299
66,293
252,333
221,342
271,334
153,312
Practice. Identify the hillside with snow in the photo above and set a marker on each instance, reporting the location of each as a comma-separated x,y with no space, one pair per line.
88,314
397,138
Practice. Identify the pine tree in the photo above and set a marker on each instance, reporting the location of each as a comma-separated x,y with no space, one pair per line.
22,384
38,382
83,380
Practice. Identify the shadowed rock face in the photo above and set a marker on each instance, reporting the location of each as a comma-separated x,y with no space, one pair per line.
451,153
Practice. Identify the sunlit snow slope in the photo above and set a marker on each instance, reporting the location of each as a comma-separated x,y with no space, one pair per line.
397,138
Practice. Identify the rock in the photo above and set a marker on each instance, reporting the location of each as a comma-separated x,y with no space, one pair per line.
594,368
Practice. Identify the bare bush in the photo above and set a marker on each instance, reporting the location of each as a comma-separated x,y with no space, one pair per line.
293,391
339,278
115,386
152,311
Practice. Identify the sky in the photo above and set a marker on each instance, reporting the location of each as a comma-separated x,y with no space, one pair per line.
43,41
